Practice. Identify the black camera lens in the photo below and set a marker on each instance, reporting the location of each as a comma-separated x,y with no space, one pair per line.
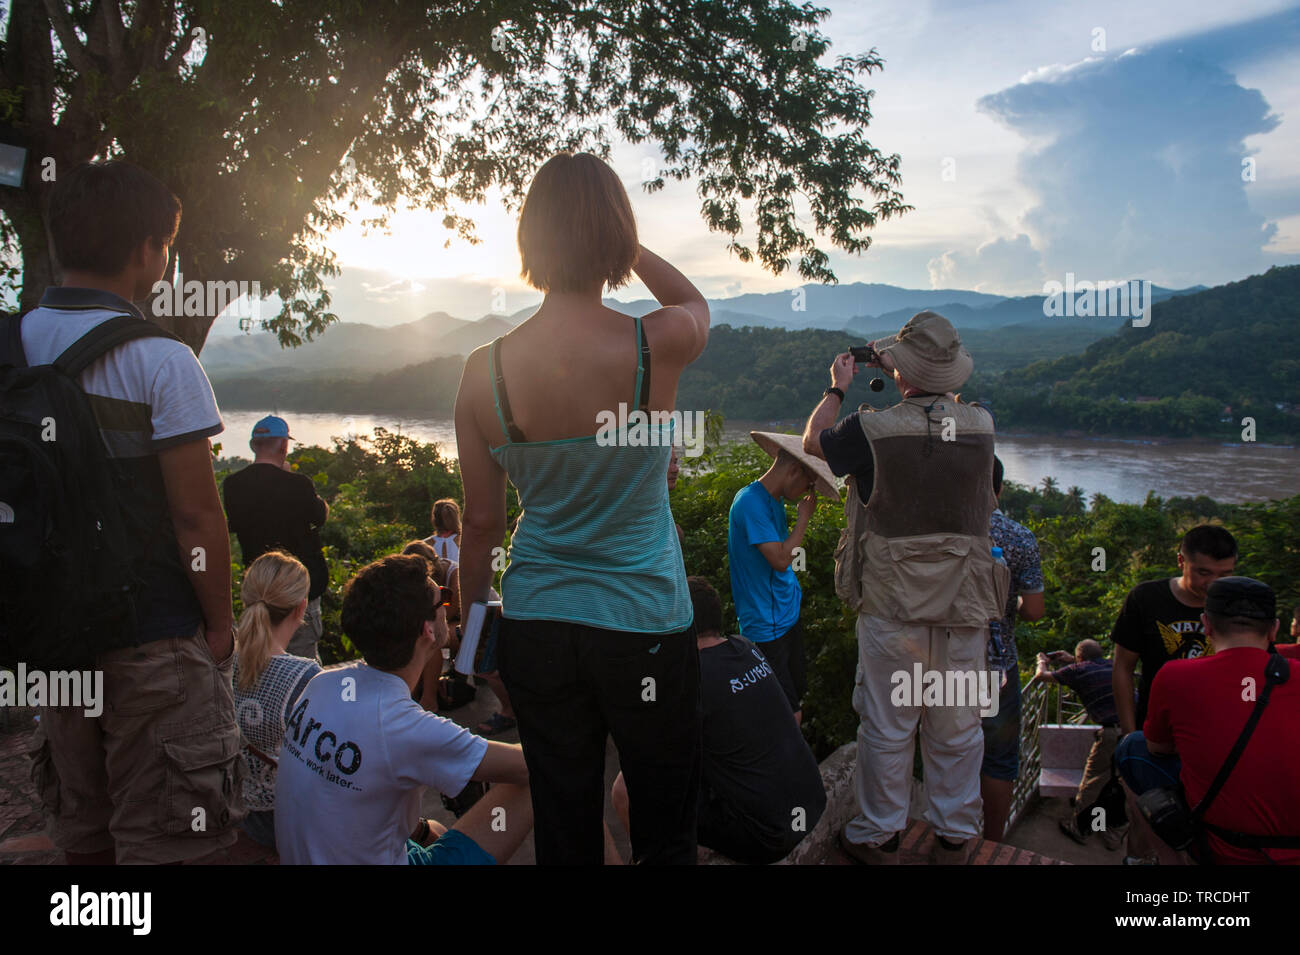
877,384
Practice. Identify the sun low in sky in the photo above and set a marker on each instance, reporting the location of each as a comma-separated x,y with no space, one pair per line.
1105,139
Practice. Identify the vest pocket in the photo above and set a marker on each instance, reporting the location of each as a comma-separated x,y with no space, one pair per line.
924,576
848,570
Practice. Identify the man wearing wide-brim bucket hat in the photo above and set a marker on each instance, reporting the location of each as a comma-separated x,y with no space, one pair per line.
764,555
916,564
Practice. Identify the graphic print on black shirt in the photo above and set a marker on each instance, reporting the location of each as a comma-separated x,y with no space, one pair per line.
1159,627
755,757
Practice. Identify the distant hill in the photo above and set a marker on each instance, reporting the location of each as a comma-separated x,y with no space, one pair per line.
1024,310
352,347
860,309
427,389
1236,346
748,372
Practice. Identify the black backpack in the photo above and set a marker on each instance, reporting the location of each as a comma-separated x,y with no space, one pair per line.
68,580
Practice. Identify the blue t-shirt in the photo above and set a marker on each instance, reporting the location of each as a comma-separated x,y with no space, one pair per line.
767,601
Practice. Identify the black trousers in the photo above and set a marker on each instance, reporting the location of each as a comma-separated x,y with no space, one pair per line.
571,686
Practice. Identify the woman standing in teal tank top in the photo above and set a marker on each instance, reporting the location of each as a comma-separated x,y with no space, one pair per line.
596,637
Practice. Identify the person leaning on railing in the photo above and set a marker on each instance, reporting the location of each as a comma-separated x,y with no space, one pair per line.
596,635
1088,673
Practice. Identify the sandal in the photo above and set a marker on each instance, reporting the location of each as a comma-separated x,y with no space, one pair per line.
496,724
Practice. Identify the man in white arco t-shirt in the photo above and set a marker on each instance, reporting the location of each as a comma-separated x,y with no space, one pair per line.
358,751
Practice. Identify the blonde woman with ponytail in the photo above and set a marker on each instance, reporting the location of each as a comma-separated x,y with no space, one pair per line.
268,680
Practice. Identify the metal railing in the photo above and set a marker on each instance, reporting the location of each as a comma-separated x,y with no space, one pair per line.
1037,701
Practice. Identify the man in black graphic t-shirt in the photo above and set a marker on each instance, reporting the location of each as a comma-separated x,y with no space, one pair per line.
760,788
1161,619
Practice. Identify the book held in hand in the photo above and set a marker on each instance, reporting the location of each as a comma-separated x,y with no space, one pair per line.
478,638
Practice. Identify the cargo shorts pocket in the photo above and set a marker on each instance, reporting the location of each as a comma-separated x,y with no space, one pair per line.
859,696
45,777
140,681
204,779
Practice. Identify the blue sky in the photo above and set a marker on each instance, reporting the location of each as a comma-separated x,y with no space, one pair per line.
1037,139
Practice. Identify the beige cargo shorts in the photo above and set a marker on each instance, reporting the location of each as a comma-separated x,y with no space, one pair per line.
158,773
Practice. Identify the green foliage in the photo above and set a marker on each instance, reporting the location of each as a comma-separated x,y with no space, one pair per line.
381,489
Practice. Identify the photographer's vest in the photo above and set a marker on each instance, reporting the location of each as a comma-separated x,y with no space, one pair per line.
919,552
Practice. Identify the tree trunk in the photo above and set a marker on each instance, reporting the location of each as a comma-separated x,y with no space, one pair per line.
23,209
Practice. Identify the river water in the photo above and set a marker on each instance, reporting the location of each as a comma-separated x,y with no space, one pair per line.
1122,470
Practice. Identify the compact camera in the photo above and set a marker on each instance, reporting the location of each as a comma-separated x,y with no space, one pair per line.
865,354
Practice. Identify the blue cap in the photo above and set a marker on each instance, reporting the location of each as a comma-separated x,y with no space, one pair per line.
272,427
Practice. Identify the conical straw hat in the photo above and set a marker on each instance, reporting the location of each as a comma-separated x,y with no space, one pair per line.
774,444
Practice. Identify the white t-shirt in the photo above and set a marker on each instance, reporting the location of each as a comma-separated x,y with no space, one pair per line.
152,390
446,547
358,753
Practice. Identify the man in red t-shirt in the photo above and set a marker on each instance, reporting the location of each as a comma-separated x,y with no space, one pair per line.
1198,708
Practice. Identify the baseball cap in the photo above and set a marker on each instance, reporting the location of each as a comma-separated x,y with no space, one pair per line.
272,427
1241,597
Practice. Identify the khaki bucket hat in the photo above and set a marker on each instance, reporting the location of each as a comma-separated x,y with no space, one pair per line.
928,352
774,444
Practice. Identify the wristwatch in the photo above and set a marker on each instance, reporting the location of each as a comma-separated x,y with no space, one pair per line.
832,390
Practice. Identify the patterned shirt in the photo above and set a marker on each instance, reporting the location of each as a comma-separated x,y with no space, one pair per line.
1020,551
1091,680
262,713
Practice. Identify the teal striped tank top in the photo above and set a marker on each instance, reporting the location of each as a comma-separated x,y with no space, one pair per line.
595,543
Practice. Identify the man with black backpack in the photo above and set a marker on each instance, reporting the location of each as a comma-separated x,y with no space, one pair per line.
116,556
1217,764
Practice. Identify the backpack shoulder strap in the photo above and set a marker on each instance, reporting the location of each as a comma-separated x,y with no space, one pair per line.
1272,677
103,338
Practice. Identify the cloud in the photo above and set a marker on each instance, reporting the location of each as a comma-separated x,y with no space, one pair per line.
1002,266
390,293
1136,165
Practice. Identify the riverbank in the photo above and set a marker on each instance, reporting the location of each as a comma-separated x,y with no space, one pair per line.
1122,468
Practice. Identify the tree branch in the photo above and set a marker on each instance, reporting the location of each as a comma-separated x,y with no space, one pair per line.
77,54
119,64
